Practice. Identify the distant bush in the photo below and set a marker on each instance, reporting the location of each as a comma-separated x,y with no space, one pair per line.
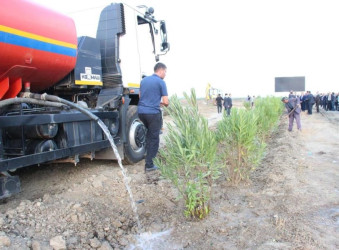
242,150
189,159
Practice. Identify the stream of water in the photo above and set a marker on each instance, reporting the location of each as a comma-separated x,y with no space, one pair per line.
116,153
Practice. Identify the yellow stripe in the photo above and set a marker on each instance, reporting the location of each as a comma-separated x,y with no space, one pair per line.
134,85
36,37
77,82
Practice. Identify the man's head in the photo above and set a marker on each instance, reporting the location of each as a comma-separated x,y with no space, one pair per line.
284,99
160,70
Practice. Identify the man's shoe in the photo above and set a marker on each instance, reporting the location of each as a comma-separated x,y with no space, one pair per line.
151,168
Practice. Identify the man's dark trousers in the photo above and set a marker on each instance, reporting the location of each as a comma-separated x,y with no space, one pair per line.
153,124
310,107
228,110
219,108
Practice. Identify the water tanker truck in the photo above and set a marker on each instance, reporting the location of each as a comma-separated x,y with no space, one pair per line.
42,61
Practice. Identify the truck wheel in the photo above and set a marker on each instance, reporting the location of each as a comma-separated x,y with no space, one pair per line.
135,146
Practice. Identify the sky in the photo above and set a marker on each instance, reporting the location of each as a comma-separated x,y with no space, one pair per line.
237,46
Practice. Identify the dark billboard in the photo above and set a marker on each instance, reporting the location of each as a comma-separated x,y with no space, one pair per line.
286,84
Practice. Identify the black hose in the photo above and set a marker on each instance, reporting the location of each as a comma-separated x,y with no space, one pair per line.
53,98
29,100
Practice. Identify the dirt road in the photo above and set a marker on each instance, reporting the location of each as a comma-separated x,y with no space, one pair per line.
292,201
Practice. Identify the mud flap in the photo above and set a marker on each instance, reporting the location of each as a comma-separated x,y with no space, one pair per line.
9,185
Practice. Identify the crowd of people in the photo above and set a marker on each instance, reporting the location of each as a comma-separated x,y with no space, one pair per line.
295,104
327,101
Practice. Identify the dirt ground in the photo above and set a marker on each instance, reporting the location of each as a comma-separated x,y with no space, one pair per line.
292,201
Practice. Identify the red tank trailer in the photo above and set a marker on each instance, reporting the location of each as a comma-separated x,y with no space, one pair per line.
38,46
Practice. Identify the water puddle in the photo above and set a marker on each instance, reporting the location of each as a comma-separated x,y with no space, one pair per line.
151,241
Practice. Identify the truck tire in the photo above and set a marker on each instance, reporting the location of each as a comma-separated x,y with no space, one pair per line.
135,147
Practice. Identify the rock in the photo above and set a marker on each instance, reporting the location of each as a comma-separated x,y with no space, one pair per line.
95,243
21,207
101,234
82,217
116,224
74,218
73,240
22,204
29,244
120,232
30,232
5,241
105,246
10,213
47,198
97,184
2,221
77,207
123,242
102,177
123,219
58,243
36,245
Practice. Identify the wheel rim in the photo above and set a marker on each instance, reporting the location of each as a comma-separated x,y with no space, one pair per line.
137,135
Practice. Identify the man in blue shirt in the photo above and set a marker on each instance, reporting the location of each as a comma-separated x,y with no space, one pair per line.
153,94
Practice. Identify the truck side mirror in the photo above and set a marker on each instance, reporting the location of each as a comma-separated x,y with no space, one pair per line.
163,32
163,27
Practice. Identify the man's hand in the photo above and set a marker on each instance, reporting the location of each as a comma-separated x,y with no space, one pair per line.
165,101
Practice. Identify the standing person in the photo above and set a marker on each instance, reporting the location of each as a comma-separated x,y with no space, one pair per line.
153,94
228,104
310,102
317,101
322,100
291,94
252,101
333,101
305,101
224,104
328,101
325,101
293,108
302,101
219,103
